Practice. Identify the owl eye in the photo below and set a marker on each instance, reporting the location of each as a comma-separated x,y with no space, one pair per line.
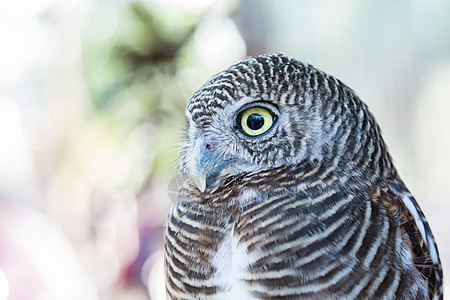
255,121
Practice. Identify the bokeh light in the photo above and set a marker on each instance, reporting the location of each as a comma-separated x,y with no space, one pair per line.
4,287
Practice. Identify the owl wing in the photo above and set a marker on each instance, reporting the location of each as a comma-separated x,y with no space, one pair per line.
400,202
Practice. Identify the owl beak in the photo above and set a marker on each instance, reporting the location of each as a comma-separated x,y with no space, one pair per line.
203,161
200,167
199,179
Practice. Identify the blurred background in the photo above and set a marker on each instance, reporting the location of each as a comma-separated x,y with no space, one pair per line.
92,97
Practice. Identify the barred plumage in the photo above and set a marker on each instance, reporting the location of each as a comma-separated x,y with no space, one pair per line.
311,208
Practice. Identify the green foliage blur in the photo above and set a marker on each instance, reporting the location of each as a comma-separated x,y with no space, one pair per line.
141,78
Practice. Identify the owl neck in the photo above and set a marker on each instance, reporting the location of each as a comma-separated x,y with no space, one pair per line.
350,140
361,157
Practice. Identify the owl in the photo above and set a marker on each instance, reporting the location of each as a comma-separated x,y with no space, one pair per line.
287,191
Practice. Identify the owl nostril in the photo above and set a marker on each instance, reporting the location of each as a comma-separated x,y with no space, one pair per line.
208,147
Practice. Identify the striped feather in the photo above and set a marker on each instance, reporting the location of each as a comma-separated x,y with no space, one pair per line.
314,209
300,243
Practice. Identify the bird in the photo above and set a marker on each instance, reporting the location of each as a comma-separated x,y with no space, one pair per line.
287,191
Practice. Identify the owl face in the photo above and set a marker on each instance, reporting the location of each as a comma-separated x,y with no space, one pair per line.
248,135
272,110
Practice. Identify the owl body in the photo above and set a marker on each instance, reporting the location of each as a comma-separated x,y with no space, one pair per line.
287,191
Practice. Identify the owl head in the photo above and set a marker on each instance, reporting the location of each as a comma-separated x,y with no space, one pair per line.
271,111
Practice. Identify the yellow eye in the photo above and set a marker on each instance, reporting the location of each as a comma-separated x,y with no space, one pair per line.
255,121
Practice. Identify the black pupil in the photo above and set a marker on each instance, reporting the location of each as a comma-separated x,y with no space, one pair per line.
255,121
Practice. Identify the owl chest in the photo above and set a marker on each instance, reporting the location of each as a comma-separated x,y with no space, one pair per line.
231,264
255,245
231,261
246,249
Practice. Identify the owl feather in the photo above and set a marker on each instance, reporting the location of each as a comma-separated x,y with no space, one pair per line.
287,191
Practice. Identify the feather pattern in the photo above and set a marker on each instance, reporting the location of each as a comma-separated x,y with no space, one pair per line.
314,209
